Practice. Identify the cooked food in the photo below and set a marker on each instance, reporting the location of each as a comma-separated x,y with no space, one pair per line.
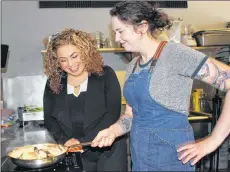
75,149
40,151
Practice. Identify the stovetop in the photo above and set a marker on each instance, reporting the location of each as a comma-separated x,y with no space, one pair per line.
71,163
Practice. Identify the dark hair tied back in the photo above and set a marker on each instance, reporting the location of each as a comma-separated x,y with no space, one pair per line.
134,12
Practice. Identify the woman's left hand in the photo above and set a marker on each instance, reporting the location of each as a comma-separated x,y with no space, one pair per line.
196,151
71,142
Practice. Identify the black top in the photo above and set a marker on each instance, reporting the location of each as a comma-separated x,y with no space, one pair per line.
102,108
76,109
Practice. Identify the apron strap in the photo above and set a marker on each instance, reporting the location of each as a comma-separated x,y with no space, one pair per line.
155,56
135,66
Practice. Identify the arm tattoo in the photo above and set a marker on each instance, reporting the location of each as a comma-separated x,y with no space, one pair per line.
204,72
218,80
221,77
125,123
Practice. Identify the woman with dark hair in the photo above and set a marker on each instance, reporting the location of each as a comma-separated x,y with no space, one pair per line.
157,90
82,97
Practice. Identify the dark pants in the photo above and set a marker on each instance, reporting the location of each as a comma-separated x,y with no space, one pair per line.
116,160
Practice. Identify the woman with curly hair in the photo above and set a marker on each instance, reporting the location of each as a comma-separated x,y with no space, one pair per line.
82,97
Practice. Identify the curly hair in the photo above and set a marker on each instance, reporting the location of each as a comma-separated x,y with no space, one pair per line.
88,53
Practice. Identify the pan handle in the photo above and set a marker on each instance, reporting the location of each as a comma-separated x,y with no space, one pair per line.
80,144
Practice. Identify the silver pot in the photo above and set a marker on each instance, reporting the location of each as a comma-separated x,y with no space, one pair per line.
217,37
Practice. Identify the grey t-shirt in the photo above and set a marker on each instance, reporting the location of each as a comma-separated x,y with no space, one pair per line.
172,77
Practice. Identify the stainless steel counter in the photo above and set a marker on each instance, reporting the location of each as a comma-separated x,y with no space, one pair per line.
15,136
33,133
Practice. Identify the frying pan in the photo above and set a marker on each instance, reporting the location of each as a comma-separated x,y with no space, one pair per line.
44,162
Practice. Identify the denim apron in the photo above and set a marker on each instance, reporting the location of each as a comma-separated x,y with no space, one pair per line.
156,131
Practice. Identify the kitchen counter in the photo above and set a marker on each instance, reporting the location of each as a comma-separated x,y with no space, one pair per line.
193,116
199,116
32,133
15,136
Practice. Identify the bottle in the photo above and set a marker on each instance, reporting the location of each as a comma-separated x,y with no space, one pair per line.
196,101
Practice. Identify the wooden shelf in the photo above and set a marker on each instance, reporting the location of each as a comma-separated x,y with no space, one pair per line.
103,50
207,47
43,51
111,50
195,118
122,50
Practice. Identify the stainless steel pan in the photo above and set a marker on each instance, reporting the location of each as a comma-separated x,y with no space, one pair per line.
44,162
37,163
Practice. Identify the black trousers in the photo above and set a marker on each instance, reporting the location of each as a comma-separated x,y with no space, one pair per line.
116,160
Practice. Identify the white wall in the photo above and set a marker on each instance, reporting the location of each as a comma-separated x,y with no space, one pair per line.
204,14
24,26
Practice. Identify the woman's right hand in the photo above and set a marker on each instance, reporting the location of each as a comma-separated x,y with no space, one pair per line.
104,138
71,142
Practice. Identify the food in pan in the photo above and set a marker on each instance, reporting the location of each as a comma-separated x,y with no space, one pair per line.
75,149
40,151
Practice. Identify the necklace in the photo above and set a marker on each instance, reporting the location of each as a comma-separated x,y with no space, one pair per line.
77,86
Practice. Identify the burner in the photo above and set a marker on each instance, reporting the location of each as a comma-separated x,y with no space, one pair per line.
71,163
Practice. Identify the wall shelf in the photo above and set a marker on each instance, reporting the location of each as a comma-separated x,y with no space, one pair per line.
114,50
129,55
208,47
104,50
43,52
122,50
111,50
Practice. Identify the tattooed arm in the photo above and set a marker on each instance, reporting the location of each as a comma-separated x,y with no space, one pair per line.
122,126
217,74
